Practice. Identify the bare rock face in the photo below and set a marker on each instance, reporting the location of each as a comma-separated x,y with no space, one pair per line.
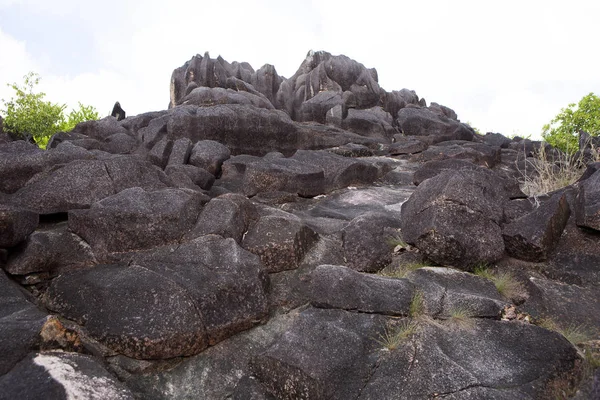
15,225
588,203
453,218
533,236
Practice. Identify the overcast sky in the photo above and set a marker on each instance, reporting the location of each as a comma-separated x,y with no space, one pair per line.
505,66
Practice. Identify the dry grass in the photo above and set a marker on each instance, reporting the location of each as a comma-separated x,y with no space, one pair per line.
576,334
417,305
547,173
394,336
460,318
505,282
402,270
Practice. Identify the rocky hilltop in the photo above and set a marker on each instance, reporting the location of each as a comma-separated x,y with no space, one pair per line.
315,237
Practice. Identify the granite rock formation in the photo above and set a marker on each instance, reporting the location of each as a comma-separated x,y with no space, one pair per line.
313,237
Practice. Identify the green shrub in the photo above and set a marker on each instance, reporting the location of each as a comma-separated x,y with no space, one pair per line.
27,114
563,131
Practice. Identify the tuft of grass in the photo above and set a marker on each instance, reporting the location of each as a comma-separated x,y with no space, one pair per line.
396,240
402,270
461,318
417,305
505,282
576,334
393,337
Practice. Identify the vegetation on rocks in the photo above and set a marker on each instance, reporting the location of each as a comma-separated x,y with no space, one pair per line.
562,131
28,115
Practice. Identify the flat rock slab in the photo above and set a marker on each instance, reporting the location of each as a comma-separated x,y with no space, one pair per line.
169,302
447,290
499,359
534,236
453,218
335,286
61,376
137,219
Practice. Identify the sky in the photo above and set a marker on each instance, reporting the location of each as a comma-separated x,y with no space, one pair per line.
505,67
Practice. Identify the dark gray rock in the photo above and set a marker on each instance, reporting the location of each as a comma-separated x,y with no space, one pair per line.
169,302
296,365
447,290
587,205
365,245
281,240
204,96
504,360
209,155
332,286
453,218
20,325
180,153
136,219
80,183
406,145
60,375
316,108
423,122
339,171
189,174
477,153
50,250
373,122
15,225
229,215
20,161
100,129
160,152
120,143
533,236
496,140
130,309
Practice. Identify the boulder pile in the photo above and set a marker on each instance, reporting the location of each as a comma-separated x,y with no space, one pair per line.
315,237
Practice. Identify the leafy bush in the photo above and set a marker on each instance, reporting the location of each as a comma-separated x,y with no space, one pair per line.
28,115
562,132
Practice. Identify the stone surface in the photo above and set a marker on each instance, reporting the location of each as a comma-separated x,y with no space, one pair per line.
533,236
333,286
136,219
587,208
210,155
15,225
280,240
453,218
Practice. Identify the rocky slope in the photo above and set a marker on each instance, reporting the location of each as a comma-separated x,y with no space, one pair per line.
306,238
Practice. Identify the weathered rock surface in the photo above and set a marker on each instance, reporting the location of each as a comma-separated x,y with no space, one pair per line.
335,286
60,375
533,236
136,219
453,218
225,248
587,206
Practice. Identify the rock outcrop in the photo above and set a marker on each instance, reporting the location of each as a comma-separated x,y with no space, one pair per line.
311,237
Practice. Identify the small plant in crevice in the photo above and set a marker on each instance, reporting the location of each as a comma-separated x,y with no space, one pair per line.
394,336
505,282
416,308
461,318
576,334
396,241
402,270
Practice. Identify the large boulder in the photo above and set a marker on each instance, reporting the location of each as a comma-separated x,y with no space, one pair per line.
281,240
15,225
333,286
170,302
413,121
81,183
533,236
454,217
209,155
136,219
